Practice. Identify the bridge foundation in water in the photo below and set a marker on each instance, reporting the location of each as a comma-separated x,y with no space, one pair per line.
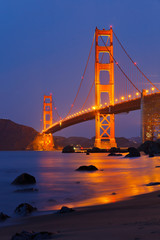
150,110
104,123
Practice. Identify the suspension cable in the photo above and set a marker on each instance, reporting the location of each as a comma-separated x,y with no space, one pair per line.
134,63
119,66
88,95
81,78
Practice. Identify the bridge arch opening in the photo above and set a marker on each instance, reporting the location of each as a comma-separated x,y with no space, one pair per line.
47,117
104,77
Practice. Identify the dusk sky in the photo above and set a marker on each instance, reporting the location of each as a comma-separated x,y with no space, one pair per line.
44,49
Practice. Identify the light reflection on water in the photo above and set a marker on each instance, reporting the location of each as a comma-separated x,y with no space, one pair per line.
125,177
59,184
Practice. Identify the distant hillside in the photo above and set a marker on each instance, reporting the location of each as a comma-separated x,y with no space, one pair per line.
61,142
14,136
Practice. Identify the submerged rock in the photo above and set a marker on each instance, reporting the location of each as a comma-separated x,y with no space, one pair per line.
115,154
3,216
32,235
26,190
65,209
87,168
24,179
133,152
24,209
153,184
68,149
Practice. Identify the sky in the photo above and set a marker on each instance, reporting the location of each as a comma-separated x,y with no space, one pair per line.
45,45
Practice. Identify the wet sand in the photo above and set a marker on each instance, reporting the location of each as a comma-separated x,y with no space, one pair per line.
134,219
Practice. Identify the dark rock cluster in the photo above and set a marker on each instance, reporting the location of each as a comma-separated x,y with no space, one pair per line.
150,147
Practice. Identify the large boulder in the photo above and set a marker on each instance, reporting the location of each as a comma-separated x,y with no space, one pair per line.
89,168
133,152
24,179
24,209
68,149
32,235
150,147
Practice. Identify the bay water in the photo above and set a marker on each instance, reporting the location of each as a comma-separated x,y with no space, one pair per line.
60,185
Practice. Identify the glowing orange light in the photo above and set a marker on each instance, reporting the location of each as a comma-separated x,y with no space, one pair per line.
147,90
129,96
135,63
152,88
122,98
89,109
116,100
137,93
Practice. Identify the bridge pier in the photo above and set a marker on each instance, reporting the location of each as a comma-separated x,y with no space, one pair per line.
150,116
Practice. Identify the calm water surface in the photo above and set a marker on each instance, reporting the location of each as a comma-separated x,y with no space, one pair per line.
59,184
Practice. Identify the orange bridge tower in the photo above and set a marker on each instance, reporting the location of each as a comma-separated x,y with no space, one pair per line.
47,111
104,123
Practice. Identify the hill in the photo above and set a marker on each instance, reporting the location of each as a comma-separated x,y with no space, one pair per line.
14,136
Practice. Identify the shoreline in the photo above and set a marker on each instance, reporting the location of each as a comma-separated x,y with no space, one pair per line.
134,218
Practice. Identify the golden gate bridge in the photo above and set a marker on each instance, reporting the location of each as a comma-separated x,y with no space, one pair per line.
118,85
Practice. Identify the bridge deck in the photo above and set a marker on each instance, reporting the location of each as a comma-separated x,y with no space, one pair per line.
122,107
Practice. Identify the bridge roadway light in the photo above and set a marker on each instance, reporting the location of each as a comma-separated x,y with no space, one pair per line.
94,107
137,93
116,100
129,96
122,98
147,90
152,88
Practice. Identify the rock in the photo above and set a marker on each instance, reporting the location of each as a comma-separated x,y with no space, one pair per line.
112,154
97,150
65,209
153,184
26,190
115,154
87,168
24,209
150,147
3,216
24,179
133,152
151,155
68,149
32,236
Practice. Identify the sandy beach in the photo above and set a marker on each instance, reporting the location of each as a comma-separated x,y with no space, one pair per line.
137,218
